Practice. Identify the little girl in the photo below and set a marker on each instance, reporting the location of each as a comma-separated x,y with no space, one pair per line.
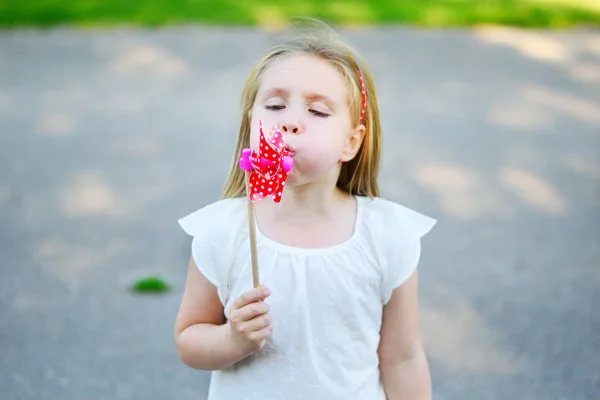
336,315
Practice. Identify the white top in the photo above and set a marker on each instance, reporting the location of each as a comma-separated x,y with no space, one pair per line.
326,304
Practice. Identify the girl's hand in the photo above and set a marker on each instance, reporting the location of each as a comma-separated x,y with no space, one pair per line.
250,321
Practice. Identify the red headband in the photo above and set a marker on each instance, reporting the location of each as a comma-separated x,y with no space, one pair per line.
364,97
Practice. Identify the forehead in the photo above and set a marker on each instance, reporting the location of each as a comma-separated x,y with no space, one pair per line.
306,74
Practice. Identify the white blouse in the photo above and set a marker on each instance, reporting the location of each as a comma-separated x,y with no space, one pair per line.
326,303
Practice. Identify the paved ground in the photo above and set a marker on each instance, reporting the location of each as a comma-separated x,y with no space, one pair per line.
106,138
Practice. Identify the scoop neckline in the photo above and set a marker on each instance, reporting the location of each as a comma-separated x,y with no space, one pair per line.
317,250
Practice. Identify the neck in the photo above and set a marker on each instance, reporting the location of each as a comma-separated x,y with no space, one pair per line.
303,201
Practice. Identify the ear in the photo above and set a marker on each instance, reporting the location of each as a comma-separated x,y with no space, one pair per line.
353,143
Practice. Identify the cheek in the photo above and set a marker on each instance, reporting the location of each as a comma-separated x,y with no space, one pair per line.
254,136
319,157
254,140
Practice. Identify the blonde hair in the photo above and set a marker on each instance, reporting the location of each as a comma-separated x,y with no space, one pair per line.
357,176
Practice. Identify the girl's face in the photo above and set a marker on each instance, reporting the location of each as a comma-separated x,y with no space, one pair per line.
307,99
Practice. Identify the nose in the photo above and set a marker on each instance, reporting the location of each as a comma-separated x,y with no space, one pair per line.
289,127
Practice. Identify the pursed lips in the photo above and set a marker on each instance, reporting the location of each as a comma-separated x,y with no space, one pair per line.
290,150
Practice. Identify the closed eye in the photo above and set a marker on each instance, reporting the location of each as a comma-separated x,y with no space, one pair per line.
275,107
319,113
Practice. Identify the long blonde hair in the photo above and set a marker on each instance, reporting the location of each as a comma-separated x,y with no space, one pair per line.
357,176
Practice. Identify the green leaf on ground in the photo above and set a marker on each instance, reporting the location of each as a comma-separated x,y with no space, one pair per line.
150,284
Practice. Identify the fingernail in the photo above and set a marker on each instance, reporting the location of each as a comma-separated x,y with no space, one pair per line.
266,292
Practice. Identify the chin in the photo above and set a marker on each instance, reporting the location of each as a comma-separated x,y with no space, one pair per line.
291,180
295,180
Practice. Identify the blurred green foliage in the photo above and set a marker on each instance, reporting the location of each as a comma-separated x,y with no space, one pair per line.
275,13
150,284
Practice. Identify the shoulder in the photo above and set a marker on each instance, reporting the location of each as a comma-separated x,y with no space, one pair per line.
216,229
384,216
394,233
220,216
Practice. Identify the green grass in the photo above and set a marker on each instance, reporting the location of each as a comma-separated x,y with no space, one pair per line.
275,13
150,285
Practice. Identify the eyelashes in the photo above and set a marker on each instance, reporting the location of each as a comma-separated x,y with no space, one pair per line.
319,113
312,111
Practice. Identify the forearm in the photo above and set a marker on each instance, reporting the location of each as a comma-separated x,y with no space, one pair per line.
408,379
208,347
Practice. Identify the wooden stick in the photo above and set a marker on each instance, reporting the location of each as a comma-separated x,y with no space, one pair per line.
252,230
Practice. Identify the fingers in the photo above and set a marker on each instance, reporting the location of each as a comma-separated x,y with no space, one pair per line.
251,296
255,324
260,336
250,320
251,317
252,310
248,313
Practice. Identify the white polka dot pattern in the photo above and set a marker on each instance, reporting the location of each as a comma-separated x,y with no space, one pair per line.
364,97
268,177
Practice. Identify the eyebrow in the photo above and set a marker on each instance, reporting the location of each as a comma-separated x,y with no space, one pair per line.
311,96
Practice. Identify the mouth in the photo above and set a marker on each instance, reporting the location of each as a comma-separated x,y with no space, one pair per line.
290,150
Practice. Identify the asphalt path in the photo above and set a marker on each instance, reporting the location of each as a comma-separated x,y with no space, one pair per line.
107,137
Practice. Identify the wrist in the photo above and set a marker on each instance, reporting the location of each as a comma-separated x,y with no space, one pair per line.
237,348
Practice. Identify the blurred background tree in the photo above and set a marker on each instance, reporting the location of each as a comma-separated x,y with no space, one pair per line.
273,13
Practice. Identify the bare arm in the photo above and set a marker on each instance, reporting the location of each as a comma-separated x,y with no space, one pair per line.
403,363
204,339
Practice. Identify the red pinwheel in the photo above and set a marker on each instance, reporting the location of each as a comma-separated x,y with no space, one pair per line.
266,172
269,167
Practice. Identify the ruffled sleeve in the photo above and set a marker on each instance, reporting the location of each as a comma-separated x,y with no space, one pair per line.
215,231
402,244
